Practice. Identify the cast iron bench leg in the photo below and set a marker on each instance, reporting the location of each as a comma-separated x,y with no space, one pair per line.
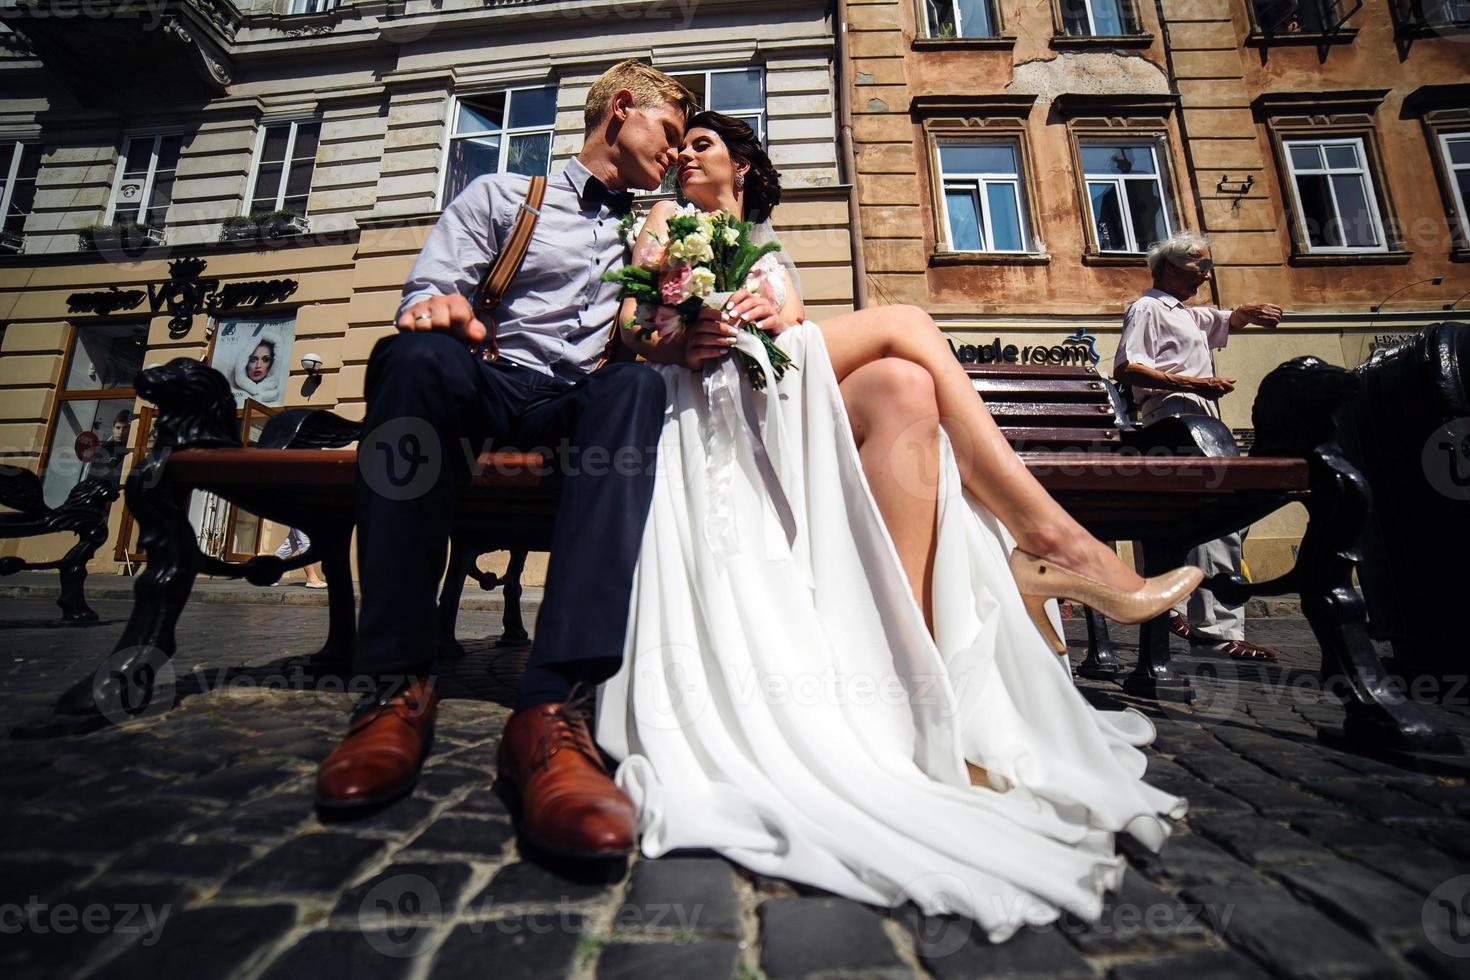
513,628
461,564
1155,677
341,644
1101,663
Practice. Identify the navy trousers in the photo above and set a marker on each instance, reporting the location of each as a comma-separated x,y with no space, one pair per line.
432,407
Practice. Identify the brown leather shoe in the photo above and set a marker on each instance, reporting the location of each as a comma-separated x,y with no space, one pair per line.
569,804
379,758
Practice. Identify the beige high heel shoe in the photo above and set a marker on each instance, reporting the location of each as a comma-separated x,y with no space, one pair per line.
1040,580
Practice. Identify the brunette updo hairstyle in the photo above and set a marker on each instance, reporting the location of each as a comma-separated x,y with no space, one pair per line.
762,182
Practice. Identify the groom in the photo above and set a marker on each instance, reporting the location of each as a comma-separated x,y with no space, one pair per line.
428,396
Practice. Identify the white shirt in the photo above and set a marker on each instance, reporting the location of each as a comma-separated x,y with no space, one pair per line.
1160,332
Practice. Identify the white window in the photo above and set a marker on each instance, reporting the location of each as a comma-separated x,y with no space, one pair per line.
1336,206
1125,194
960,18
736,92
19,165
285,156
1097,18
309,6
497,133
1456,150
1440,12
984,202
145,180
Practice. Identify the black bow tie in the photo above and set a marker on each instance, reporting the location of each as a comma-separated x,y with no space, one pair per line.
596,194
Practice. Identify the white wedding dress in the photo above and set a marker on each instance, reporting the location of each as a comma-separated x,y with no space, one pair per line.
781,702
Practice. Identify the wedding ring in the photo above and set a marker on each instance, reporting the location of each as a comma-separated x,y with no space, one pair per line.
422,316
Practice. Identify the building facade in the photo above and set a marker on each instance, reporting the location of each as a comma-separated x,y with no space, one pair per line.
279,164
1014,158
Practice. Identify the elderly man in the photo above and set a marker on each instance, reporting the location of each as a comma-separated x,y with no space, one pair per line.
1164,354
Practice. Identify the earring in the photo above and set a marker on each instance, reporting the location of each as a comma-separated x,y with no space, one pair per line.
740,182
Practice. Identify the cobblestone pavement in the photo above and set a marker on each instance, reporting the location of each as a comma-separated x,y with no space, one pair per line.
185,845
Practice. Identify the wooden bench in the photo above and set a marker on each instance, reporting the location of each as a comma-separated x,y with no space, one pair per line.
1121,482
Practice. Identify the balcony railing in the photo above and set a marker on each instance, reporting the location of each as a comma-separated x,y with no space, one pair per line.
1277,17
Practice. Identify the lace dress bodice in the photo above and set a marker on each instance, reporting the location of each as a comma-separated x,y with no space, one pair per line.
769,279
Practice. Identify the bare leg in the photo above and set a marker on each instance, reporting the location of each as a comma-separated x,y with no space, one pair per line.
311,576
989,468
895,421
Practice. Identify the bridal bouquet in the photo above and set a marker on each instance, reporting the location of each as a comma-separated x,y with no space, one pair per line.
706,259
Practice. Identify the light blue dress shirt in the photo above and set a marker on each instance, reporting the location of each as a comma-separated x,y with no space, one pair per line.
557,314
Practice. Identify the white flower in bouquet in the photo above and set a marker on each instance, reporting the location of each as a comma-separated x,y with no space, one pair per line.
630,235
701,281
692,248
731,235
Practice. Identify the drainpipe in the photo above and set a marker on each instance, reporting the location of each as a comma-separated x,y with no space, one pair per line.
849,159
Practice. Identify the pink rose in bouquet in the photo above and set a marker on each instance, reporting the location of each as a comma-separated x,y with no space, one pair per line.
667,321
673,284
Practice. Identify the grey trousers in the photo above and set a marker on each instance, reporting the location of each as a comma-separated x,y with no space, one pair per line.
1211,620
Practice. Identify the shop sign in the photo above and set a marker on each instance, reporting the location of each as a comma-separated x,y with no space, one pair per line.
184,294
1076,349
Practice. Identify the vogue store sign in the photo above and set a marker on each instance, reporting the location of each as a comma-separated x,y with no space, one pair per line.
1075,350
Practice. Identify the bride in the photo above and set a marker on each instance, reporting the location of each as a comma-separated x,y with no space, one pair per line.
839,665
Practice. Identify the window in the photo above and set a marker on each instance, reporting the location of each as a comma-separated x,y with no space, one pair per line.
1432,13
1335,201
1125,194
1302,16
502,132
1455,149
145,181
91,425
309,6
984,204
960,18
286,150
736,92
1097,18
19,165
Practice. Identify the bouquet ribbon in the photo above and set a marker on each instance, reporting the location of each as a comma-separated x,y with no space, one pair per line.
728,422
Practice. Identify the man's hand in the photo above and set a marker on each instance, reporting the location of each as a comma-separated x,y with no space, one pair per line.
1212,388
1264,314
448,313
756,310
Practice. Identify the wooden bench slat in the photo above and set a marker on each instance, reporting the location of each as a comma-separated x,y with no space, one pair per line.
1067,410
1070,387
1065,435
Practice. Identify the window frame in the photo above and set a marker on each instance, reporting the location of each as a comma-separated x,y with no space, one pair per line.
1459,203
289,7
158,136
977,183
1288,143
256,160
1160,176
1128,9
61,394
1340,33
12,174
762,132
455,98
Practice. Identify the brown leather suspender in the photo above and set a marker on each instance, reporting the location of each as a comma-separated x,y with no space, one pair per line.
499,274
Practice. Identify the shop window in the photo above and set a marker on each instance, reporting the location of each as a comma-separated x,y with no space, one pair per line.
91,424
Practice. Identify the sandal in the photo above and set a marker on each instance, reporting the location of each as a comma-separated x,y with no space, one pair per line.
1179,626
1241,650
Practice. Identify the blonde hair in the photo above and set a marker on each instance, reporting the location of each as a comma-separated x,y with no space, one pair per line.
651,88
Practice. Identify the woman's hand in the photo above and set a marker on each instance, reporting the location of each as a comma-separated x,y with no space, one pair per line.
756,310
710,339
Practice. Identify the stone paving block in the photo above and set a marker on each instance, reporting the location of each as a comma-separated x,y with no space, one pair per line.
1188,859
1420,867
1214,964
314,863
1258,840
681,894
118,827
1138,915
1224,768
204,861
528,882
1337,830
1041,953
1448,798
1271,926
1444,834
239,783
817,937
1352,893
58,936
22,879
535,946
482,802
378,954
452,834
451,780
1277,799
1378,801
396,821
209,943
1203,798
266,820
412,890
116,787
713,959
